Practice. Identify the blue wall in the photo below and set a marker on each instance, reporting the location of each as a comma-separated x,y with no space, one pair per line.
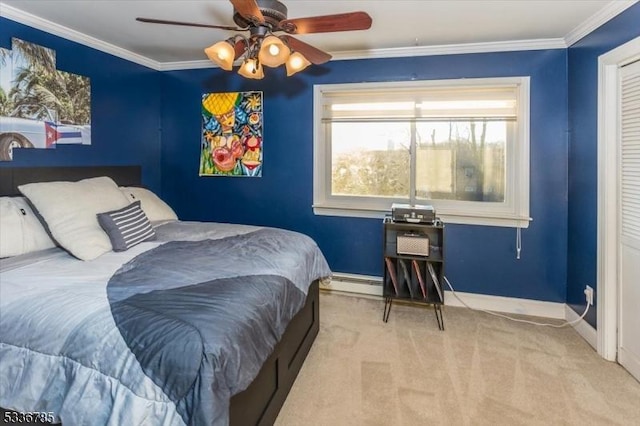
583,151
125,108
480,259
130,101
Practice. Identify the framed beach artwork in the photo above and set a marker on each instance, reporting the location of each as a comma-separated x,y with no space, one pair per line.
40,106
231,143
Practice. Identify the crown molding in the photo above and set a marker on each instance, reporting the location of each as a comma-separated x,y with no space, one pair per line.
36,22
186,65
446,49
453,49
604,15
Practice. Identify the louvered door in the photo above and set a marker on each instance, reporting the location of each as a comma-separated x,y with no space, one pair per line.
629,196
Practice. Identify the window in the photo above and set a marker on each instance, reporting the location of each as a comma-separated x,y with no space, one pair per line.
459,145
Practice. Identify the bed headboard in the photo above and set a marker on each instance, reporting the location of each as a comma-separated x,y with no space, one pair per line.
12,177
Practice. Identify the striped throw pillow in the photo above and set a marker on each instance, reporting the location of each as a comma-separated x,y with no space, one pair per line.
127,226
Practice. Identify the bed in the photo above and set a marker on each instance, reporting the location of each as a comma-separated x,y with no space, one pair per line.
204,324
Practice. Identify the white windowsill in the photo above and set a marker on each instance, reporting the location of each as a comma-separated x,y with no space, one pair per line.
484,220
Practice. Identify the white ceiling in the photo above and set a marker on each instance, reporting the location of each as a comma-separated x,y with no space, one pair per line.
397,24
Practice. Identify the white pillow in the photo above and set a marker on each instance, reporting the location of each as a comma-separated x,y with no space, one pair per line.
20,230
155,209
70,208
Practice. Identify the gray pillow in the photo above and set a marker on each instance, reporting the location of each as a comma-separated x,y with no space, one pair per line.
126,227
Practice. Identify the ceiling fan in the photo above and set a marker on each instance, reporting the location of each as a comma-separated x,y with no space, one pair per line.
263,19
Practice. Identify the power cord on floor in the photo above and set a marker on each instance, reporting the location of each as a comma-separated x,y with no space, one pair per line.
565,324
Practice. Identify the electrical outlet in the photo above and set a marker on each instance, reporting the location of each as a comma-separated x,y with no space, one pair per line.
588,292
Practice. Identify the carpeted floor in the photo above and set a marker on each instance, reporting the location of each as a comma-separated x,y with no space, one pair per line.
481,370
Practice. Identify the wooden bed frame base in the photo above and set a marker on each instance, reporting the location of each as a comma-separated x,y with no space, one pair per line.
261,402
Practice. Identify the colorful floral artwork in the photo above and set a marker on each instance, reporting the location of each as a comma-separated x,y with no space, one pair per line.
231,142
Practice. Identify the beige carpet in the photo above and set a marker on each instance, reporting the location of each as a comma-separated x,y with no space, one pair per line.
481,370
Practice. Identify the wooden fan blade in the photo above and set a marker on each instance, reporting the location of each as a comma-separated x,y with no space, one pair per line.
248,9
314,55
240,48
188,24
328,23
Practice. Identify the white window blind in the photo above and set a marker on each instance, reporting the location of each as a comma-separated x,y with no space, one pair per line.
424,104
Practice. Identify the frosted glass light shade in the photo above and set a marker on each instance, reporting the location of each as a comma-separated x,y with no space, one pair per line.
222,53
273,52
251,68
296,62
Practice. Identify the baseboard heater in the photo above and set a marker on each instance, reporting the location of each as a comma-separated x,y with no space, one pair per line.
356,279
352,283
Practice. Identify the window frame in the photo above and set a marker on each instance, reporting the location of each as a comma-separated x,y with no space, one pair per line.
513,212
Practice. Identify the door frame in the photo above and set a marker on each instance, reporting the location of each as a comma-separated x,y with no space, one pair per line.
608,203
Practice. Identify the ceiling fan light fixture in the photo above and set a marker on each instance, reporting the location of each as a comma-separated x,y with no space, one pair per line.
273,52
222,53
251,68
263,19
296,63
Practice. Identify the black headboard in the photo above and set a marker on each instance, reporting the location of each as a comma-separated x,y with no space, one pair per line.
12,177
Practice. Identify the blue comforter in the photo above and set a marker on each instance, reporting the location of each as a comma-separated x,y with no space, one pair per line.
165,334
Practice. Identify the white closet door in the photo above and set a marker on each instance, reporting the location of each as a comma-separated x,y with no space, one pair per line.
629,196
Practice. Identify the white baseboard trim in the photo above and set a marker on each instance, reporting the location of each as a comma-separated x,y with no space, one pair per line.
630,362
372,286
583,328
509,305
